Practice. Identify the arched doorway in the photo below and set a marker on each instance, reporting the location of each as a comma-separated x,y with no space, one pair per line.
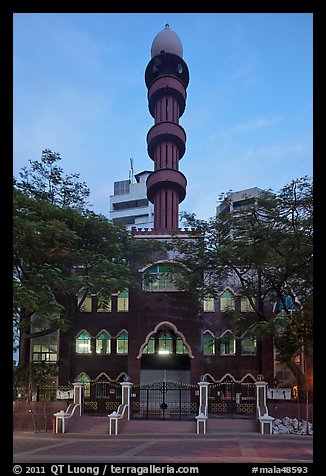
165,391
165,356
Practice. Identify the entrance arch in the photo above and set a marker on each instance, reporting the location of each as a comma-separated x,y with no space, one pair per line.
165,355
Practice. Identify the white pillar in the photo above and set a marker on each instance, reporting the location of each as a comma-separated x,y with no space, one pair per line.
265,420
203,396
126,391
79,395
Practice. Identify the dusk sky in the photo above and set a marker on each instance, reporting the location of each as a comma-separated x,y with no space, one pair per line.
79,90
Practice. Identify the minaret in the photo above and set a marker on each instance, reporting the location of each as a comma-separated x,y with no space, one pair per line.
166,78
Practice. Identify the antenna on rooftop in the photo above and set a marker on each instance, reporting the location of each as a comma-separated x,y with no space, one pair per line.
131,171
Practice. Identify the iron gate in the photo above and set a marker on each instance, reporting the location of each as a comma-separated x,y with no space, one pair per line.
101,397
231,400
164,401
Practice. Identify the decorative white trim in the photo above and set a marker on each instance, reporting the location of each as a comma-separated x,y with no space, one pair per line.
163,261
175,330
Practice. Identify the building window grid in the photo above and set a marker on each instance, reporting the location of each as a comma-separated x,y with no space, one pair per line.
45,348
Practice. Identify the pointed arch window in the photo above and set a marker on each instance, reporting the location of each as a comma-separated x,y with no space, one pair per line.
150,347
165,342
209,304
83,377
162,277
227,301
123,301
83,343
122,343
86,305
209,343
103,343
228,344
248,344
180,348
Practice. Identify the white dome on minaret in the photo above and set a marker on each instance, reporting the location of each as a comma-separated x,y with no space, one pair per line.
166,41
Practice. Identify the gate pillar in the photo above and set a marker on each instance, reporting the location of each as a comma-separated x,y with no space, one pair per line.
203,397
126,391
79,395
264,419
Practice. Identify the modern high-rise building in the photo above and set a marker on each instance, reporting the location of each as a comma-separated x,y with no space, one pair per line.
129,204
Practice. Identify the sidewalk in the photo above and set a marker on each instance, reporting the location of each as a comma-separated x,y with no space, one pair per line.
162,442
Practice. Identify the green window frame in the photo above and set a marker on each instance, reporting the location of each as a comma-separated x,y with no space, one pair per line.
161,277
122,343
123,301
228,344
248,344
227,301
84,343
103,343
209,343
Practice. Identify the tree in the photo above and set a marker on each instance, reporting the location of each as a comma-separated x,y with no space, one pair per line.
266,250
61,249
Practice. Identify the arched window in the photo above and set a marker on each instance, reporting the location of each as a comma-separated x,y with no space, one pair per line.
103,343
209,304
123,301
86,305
248,344
162,277
227,344
165,342
150,347
83,343
122,343
209,343
227,301
180,348
83,377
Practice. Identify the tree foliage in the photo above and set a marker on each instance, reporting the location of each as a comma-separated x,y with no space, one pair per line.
61,249
265,250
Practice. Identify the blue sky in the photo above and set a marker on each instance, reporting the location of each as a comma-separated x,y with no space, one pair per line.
79,90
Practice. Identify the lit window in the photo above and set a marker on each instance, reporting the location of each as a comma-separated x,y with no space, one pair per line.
104,306
209,343
209,304
87,303
180,348
248,344
245,305
87,388
161,277
123,301
227,301
228,343
165,343
122,343
83,343
45,348
150,347
103,343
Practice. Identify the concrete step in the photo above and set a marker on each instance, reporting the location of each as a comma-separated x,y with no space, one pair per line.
90,424
99,425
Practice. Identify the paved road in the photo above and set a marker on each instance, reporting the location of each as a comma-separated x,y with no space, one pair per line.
222,447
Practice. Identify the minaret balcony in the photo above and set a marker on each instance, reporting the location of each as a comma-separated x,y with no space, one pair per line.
166,179
166,132
167,85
